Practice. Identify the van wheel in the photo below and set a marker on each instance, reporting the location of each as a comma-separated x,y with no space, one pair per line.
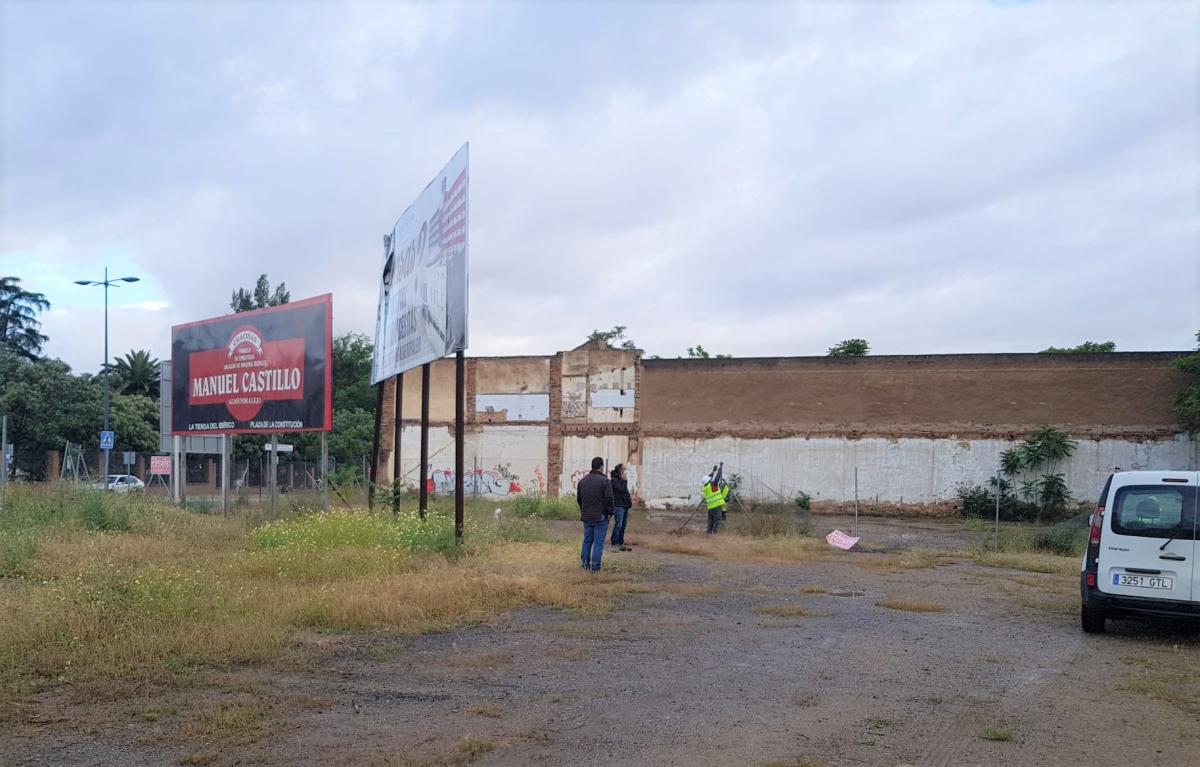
1091,619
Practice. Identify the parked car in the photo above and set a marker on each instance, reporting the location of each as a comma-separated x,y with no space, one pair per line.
1142,549
124,483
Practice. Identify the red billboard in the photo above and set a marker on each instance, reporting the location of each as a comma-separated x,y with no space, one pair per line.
264,371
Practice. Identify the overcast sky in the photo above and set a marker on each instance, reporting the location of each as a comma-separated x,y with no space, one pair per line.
763,179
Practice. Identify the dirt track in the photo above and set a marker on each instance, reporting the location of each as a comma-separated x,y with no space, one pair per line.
694,673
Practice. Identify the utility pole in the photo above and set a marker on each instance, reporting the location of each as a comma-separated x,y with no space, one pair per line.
107,283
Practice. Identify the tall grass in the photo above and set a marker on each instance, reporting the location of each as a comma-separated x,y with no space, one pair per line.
31,514
92,605
538,506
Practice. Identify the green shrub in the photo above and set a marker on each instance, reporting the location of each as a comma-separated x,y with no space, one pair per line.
804,501
979,502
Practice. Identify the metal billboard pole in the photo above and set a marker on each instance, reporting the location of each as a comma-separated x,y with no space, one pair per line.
397,436
460,387
424,439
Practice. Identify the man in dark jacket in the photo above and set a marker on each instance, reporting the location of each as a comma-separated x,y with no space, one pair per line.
595,497
621,506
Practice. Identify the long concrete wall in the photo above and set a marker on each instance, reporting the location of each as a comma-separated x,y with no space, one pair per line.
908,470
915,427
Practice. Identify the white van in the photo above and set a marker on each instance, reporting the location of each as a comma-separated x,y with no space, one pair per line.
1142,549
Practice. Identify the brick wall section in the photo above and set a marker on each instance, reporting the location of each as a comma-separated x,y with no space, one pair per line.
387,429
1117,395
554,442
634,438
472,388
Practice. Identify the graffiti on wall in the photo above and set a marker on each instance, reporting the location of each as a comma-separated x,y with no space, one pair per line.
577,475
497,481
538,480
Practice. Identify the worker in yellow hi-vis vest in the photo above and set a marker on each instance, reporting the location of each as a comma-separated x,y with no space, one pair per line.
715,494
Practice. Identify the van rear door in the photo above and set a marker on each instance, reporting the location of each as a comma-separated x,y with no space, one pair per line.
1148,549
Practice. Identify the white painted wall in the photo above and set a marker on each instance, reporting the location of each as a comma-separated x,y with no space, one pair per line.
517,407
506,456
578,453
898,471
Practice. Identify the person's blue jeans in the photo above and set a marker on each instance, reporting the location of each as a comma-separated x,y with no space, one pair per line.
620,517
593,544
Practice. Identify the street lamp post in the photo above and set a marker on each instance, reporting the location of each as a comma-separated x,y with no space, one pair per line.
107,283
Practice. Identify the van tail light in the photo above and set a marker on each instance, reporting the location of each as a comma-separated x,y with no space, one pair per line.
1093,548
1097,526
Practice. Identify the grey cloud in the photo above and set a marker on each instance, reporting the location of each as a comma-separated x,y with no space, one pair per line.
773,179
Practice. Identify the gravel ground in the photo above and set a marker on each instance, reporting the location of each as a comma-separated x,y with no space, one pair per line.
695,672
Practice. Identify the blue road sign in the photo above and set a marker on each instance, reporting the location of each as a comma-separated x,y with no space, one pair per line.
106,440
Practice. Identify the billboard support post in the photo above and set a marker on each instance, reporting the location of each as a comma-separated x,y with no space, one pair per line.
225,473
460,386
273,464
324,472
423,476
373,470
397,436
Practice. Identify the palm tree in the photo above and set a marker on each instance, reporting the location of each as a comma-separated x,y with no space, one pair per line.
20,332
136,373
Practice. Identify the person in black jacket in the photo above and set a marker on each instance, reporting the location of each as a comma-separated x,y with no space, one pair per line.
595,497
622,504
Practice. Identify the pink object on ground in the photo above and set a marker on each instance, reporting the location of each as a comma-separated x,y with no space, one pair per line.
841,540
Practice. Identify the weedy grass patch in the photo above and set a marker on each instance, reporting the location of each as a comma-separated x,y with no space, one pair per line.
738,548
539,506
174,592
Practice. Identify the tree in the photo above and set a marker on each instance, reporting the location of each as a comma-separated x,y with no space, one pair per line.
698,352
352,387
1187,403
1087,347
20,331
851,347
48,406
136,373
612,337
261,297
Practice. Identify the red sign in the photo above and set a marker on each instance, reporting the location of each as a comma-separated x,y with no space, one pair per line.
262,371
247,372
160,464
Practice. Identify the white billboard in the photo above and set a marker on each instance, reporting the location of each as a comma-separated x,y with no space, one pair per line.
422,312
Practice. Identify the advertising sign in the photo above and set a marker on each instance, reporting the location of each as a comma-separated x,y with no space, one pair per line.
255,372
422,310
160,464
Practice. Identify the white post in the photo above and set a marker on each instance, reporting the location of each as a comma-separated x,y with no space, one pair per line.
324,472
3,451
273,463
855,501
175,494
